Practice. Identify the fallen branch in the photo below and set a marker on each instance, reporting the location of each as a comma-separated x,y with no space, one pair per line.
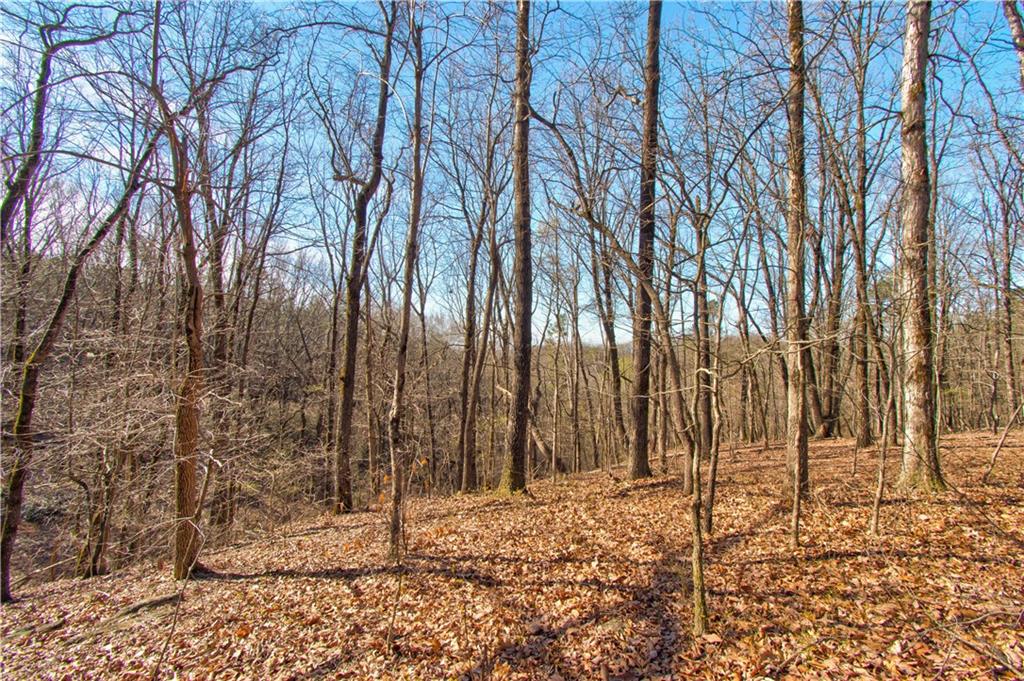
988,651
119,621
148,604
37,629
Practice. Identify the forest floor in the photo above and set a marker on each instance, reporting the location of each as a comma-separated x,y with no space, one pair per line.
586,579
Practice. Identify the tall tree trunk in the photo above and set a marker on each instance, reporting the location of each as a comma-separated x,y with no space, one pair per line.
186,436
860,228
513,477
331,417
373,426
639,462
555,401
467,483
186,416
663,417
577,370
600,267
796,420
1006,294
830,354
399,455
748,374
700,607
16,349
353,281
920,469
702,333
217,230
469,469
422,288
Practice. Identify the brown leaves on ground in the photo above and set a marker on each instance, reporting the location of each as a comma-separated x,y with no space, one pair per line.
588,579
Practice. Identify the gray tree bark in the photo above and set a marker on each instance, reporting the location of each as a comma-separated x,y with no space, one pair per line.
920,462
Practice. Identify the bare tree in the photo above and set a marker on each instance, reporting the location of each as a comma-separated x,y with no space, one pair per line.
88,33
796,333
920,462
367,188
399,456
513,476
21,458
639,462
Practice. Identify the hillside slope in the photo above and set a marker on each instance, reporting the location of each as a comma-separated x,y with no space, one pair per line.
587,579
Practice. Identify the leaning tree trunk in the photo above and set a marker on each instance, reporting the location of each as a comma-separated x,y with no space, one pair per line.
19,460
513,477
920,469
18,186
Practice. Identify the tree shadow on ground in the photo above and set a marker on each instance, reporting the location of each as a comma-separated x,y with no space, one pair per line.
883,554
452,560
463,572
650,606
640,488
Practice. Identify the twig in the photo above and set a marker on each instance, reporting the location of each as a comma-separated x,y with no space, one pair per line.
170,634
999,446
789,660
987,651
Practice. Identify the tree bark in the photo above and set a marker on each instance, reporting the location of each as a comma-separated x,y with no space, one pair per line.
186,416
796,421
1012,13
920,462
513,477
354,279
639,463
399,455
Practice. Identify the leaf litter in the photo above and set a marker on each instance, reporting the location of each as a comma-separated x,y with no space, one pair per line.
586,578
